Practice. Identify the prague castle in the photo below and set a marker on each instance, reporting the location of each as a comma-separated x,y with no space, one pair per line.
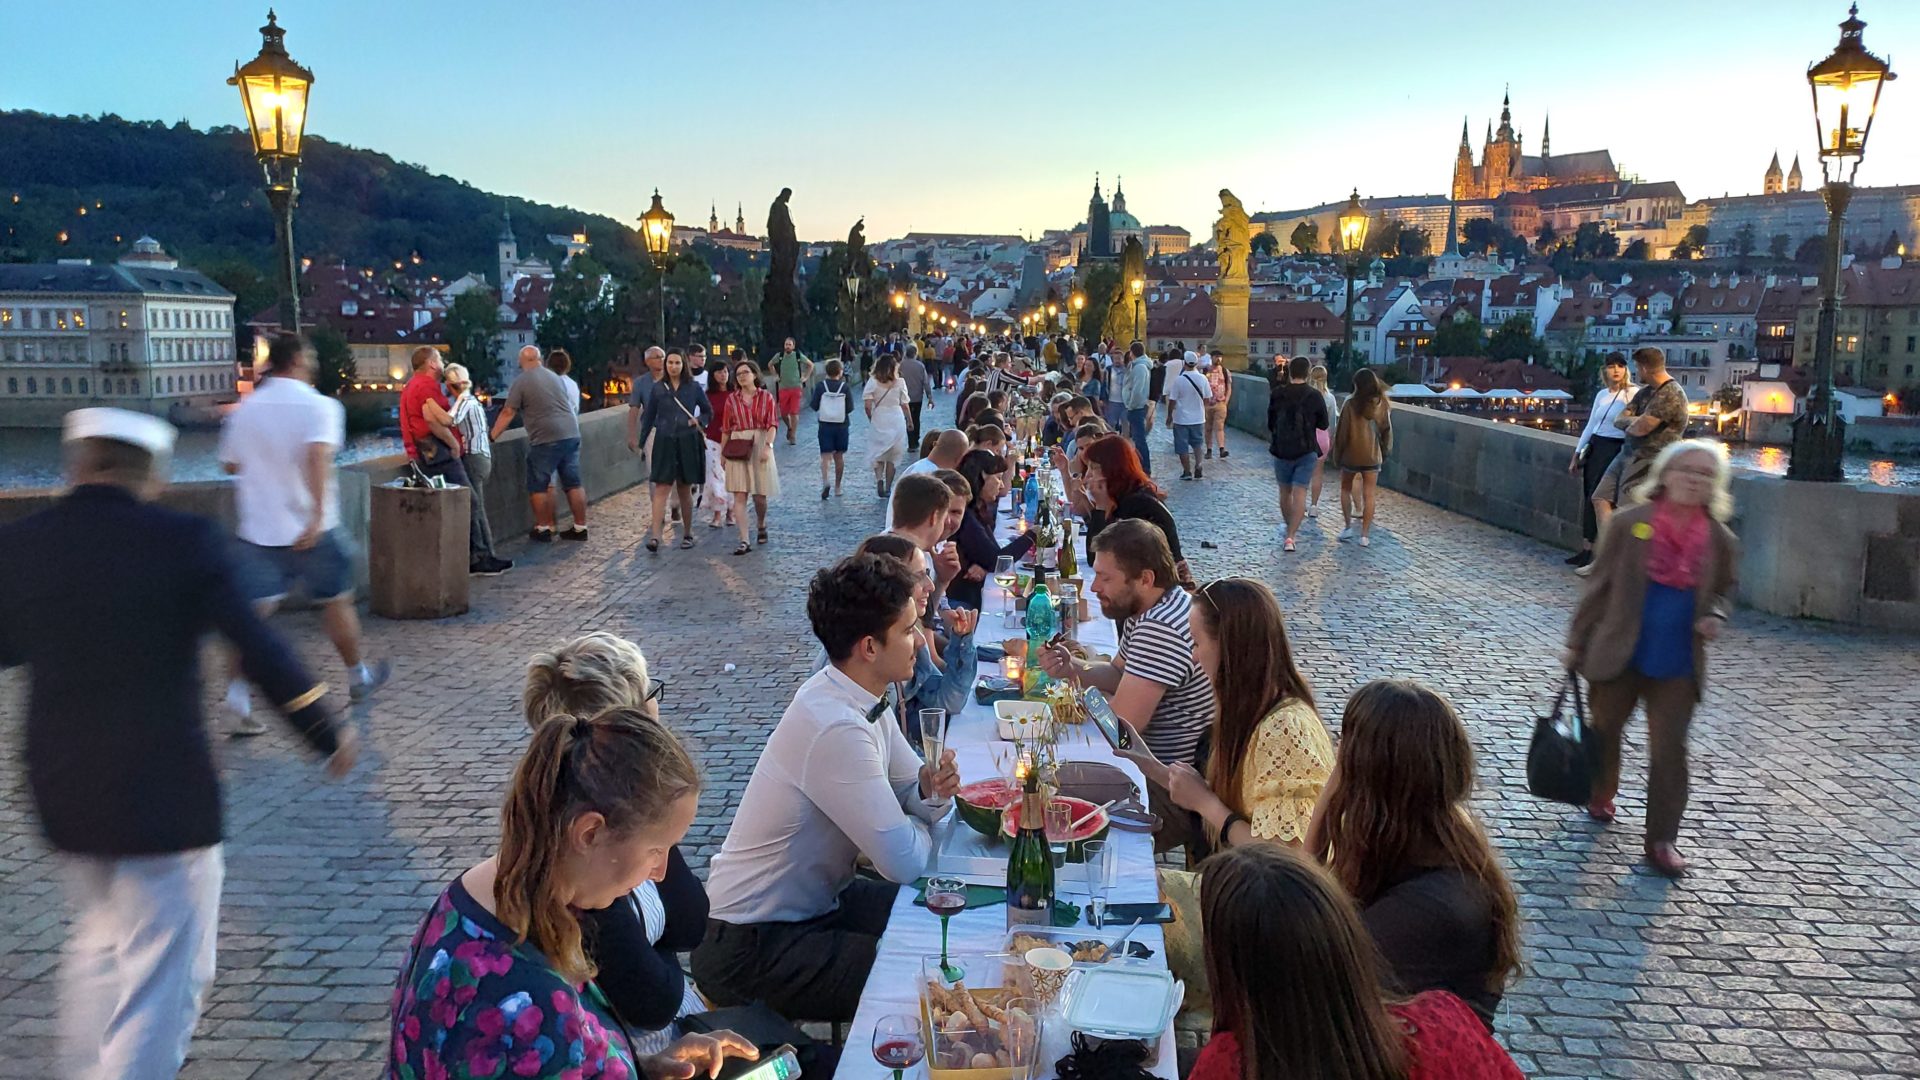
1504,167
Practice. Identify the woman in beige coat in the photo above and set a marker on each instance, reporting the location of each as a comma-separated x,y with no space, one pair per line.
1661,589
1361,440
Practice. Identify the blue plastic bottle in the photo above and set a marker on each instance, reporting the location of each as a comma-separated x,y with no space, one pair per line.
1042,621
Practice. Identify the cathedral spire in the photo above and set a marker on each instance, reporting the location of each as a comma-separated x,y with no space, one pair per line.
1463,134
1546,136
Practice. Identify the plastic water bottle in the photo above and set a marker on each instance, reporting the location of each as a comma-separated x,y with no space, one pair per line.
1032,496
1041,623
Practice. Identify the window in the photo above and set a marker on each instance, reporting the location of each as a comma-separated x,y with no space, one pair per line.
83,384
168,383
1886,343
33,385
13,385
66,386
1910,341
135,384
119,386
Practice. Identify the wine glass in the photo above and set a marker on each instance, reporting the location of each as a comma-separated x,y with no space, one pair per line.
1003,577
897,1043
1096,859
1020,1032
1059,826
946,897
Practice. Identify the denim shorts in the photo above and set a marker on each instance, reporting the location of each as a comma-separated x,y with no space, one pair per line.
544,459
1295,472
1189,438
322,572
833,438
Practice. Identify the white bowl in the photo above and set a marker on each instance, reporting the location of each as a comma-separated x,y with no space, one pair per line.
1019,719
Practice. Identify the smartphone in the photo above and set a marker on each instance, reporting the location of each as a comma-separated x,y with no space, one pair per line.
1124,914
1105,719
781,1064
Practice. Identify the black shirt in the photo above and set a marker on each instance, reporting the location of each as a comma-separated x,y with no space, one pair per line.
974,539
643,981
1143,506
1294,412
1434,929
106,600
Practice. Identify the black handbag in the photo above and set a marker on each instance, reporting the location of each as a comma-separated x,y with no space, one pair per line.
1559,767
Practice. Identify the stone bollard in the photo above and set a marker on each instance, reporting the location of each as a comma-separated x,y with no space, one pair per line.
417,552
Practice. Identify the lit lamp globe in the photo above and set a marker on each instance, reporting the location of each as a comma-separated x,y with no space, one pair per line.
656,230
1353,225
1138,285
1846,94
1079,300
273,90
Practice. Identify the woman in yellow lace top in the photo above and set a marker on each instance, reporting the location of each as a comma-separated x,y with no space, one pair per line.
1271,753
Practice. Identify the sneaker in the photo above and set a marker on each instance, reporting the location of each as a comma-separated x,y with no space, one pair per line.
1197,474
1184,475
378,672
1574,559
1366,541
244,725
1223,451
1346,534
1583,571
541,535
1313,511
824,491
489,567
1209,453
576,533
1289,545
1584,558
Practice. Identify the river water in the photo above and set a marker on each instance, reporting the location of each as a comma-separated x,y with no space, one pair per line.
31,458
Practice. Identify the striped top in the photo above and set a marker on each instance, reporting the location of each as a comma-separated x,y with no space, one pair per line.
748,413
1157,645
470,420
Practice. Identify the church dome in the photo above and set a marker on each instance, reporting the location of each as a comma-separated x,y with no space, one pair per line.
1120,220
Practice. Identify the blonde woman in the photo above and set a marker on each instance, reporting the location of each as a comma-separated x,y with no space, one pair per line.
1661,589
470,420
1317,378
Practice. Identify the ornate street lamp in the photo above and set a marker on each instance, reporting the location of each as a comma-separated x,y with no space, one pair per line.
854,283
1846,93
1139,287
273,90
1353,241
656,230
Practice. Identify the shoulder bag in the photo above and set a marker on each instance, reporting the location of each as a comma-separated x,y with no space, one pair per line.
1559,767
737,447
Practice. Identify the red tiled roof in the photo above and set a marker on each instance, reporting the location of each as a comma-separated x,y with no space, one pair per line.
1574,311
1483,374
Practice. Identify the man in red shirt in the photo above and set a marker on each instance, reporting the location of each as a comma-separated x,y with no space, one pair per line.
426,429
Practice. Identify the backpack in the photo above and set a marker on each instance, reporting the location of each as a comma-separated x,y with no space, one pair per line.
833,404
1293,427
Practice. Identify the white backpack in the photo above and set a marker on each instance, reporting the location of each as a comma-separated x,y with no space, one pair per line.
833,404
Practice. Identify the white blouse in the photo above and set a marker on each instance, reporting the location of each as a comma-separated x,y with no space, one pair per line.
1607,407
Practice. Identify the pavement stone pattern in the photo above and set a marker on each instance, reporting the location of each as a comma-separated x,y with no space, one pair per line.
1789,952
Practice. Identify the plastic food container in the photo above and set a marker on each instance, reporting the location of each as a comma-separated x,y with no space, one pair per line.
1083,944
1021,719
1123,1000
993,982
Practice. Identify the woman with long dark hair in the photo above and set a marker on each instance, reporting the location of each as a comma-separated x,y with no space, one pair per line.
1394,827
1117,487
1270,752
752,415
719,389
677,414
985,474
1362,437
1297,992
595,808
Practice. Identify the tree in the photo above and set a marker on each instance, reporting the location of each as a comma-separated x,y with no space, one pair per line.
1592,241
1415,242
334,369
581,318
1481,235
923,262
1383,235
1265,244
1690,244
1777,247
1459,336
1637,250
1305,238
1743,240
1812,251
1098,282
1892,246
1546,236
473,329
1514,340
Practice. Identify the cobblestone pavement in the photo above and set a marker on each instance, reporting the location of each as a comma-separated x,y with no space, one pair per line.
1790,951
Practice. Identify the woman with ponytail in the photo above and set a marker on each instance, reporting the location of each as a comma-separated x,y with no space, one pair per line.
1394,827
497,978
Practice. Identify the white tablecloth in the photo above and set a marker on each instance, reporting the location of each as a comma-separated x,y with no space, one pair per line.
913,933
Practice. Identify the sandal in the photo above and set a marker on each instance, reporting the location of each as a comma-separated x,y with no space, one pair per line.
743,548
761,536
653,544
686,542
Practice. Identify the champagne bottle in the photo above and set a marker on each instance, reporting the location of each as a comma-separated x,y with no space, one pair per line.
1069,567
1029,863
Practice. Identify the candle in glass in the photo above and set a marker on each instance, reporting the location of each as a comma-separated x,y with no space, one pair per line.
1012,667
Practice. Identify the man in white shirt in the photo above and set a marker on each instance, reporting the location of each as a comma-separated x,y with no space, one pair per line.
278,446
791,923
948,448
1187,396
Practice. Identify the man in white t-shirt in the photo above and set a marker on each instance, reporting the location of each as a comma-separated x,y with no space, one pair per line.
278,445
1187,396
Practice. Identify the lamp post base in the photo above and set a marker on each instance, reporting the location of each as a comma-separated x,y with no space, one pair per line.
1819,444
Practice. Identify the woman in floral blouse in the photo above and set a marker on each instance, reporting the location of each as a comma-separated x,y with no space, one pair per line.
497,981
1271,753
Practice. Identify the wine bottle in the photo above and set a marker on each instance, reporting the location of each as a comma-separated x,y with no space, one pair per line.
1069,568
1029,863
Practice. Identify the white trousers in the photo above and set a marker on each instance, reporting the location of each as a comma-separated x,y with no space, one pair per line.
138,960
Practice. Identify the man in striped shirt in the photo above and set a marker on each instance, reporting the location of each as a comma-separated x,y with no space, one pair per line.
1153,683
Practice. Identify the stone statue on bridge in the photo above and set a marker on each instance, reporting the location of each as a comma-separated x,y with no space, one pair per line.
782,304
1232,238
1232,244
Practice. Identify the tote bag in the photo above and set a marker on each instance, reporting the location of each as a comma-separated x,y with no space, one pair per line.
1559,765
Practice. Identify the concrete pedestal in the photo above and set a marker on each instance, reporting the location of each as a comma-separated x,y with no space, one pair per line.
1230,301
417,552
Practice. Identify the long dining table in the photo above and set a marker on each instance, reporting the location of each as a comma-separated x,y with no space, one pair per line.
913,932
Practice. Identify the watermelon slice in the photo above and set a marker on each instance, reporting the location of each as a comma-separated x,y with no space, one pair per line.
980,804
1094,828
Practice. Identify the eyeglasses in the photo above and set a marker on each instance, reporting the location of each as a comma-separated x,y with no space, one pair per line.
653,692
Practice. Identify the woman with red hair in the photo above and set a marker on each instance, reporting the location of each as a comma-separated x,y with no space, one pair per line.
1109,472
